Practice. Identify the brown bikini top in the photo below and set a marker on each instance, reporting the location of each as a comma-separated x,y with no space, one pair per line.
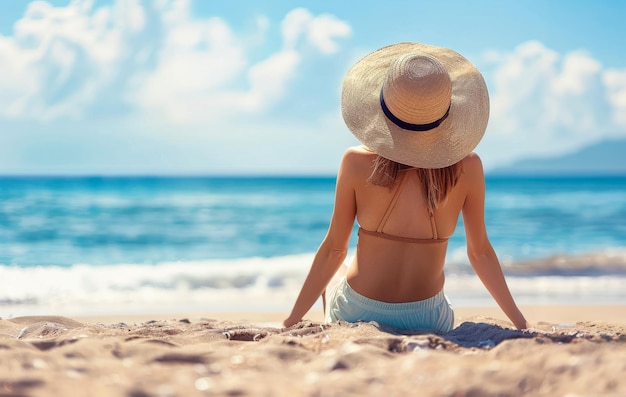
379,230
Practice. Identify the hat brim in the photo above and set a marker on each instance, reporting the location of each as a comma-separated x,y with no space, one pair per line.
440,147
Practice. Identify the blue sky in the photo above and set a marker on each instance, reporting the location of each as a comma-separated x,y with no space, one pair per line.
249,87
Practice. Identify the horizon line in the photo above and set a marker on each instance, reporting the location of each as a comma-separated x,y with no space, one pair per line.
495,173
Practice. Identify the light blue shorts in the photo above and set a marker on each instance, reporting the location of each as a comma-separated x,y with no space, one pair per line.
434,314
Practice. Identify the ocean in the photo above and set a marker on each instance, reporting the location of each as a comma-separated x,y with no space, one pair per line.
106,245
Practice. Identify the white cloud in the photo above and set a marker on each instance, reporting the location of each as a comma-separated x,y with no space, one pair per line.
132,13
154,58
268,78
197,59
294,26
545,103
615,81
57,61
145,86
321,32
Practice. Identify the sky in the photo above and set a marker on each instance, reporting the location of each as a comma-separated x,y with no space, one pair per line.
175,87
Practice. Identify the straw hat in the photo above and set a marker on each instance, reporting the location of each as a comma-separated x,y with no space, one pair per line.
416,104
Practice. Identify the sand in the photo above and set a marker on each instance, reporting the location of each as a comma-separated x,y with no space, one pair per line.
569,351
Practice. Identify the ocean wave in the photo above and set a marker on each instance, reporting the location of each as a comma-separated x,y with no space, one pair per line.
203,285
273,284
606,262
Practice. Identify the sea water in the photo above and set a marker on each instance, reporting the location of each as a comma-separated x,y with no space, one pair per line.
96,245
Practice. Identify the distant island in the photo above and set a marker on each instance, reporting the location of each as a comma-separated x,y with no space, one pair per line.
603,158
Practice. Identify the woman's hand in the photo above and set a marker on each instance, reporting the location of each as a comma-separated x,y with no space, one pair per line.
523,326
290,321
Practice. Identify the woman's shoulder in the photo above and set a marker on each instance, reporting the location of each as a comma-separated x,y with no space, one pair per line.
359,151
473,159
358,155
472,173
472,164
357,161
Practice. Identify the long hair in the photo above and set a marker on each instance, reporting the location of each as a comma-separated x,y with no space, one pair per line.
436,183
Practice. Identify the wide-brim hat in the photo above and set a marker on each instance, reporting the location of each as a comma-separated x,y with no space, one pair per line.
416,104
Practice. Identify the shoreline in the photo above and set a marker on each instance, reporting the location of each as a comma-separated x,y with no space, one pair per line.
552,314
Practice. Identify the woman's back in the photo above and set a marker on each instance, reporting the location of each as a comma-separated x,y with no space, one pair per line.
400,258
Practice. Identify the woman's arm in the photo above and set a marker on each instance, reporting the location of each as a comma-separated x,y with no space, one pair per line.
479,249
334,248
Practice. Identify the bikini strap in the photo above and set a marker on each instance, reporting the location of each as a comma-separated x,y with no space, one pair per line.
396,194
392,203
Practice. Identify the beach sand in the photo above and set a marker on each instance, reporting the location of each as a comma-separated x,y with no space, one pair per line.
569,351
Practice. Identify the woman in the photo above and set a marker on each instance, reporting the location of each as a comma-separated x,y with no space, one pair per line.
419,111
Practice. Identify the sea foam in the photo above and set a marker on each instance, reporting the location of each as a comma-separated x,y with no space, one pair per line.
261,284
